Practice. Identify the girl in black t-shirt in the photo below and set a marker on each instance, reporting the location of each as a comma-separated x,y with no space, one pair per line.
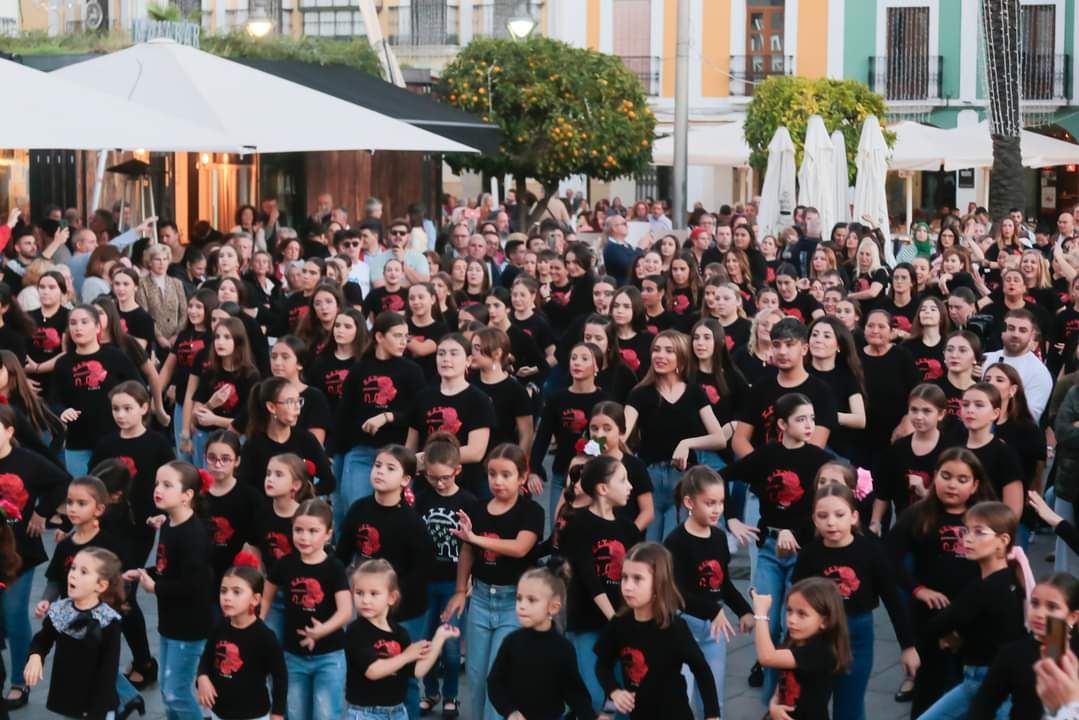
614,376
925,343
50,321
392,296
607,427
491,354
113,332
724,302
230,504
136,321
287,362
634,340
190,342
317,608
654,297
498,541
683,285
962,352
331,367
834,359
316,327
523,296
792,301
529,363
981,410
900,302
817,647
425,328
715,373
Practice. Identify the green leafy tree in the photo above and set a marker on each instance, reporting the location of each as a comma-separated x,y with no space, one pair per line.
790,101
563,111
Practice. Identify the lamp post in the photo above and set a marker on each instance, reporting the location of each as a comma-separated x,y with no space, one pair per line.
259,24
520,27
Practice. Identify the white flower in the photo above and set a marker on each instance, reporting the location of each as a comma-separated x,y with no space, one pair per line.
592,448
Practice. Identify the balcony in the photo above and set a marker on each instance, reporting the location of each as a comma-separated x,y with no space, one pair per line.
748,70
903,77
429,25
646,68
489,16
1046,78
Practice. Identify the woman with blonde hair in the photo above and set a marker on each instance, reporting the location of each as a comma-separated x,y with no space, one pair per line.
754,359
162,296
28,298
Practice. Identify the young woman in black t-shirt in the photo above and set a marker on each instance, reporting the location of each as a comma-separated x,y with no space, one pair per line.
925,343
684,285
981,410
498,541
900,302
723,302
817,647
523,296
712,369
491,354
962,353
287,362
614,376
754,358
634,340
741,278
654,297
425,328
890,375
50,321
392,296
316,327
529,364
331,367
113,332
135,320
192,339
834,359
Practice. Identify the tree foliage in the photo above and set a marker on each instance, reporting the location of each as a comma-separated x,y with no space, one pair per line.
563,110
790,101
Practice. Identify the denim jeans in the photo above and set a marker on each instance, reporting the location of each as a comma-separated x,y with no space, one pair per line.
715,654
199,440
1066,560
665,478
262,717
956,702
354,482
556,485
77,462
773,577
584,644
275,619
315,685
848,698
178,430
395,712
415,628
449,669
124,689
752,518
179,665
712,459
17,622
492,615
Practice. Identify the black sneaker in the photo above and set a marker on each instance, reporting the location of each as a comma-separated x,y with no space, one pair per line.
756,676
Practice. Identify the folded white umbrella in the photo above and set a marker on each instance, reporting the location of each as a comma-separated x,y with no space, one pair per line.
254,109
870,198
816,177
49,112
722,144
842,186
777,194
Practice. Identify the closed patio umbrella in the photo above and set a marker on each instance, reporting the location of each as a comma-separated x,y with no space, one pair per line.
842,186
816,177
871,162
777,195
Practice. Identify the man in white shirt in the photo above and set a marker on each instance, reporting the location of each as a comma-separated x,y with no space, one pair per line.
1065,229
658,221
1019,336
415,264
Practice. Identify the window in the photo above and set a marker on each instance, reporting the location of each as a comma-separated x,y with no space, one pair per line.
1043,69
632,41
764,48
908,71
423,22
331,18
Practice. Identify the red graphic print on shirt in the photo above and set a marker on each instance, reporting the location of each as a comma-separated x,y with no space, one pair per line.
13,490
162,563
443,419
955,406
930,368
387,648
923,480
634,666
89,374
607,557
187,350
368,540
490,556
123,325
901,323
47,338
393,303
789,689
574,420
227,658
712,393
784,488
278,544
710,575
951,541
629,357
846,580
297,314
234,396
560,297
334,382
794,313
729,341
129,463
306,592
378,390
680,304
861,283
222,528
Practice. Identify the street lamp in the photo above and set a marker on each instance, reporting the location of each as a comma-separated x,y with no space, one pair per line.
259,24
520,27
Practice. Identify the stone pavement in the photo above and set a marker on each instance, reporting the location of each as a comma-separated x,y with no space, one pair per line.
742,701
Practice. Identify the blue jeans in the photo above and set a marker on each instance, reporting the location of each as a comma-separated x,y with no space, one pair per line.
584,644
179,665
449,670
124,689
415,628
354,482
665,478
556,485
956,702
199,440
773,577
17,622
1066,560
395,712
711,459
752,518
715,654
77,462
178,430
492,615
275,619
848,698
314,685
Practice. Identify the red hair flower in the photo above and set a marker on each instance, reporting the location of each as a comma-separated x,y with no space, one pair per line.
207,481
578,447
246,559
409,496
310,467
10,511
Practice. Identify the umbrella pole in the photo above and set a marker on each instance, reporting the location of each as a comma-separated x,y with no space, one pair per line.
908,179
99,179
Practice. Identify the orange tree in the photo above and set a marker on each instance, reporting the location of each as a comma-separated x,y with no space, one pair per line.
562,110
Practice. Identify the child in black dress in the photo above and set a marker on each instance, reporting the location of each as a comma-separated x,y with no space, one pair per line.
817,648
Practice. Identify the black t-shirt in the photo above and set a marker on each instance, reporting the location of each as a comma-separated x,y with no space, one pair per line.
315,414
67,549
808,687
138,324
240,384
510,401
457,414
986,615
951,427
381,300
435,331
595,548
663,424
328,373
184,581
490,567
665,320
753,369
929,361
188,347
1001,463
373,387
439,514
527,353
845,441
785,481
232,523
724,405
397,535
900,470
14,341
940,561
237,662
760,408
366,644
565,419
143,455
902,316
83,382
702,572
272,535
46,342
641,484
537,328
801,307
32,484
309,595
617,380
297,306
889,379
737,333
259,448
536,674
637,352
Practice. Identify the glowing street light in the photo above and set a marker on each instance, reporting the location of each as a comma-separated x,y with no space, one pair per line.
259,24
520,27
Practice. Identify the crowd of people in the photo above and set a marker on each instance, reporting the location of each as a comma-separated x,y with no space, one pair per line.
351,459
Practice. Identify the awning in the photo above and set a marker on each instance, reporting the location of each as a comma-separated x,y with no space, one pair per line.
709,144
923,147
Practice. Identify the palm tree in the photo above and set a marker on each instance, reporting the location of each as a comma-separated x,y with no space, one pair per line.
1000,23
